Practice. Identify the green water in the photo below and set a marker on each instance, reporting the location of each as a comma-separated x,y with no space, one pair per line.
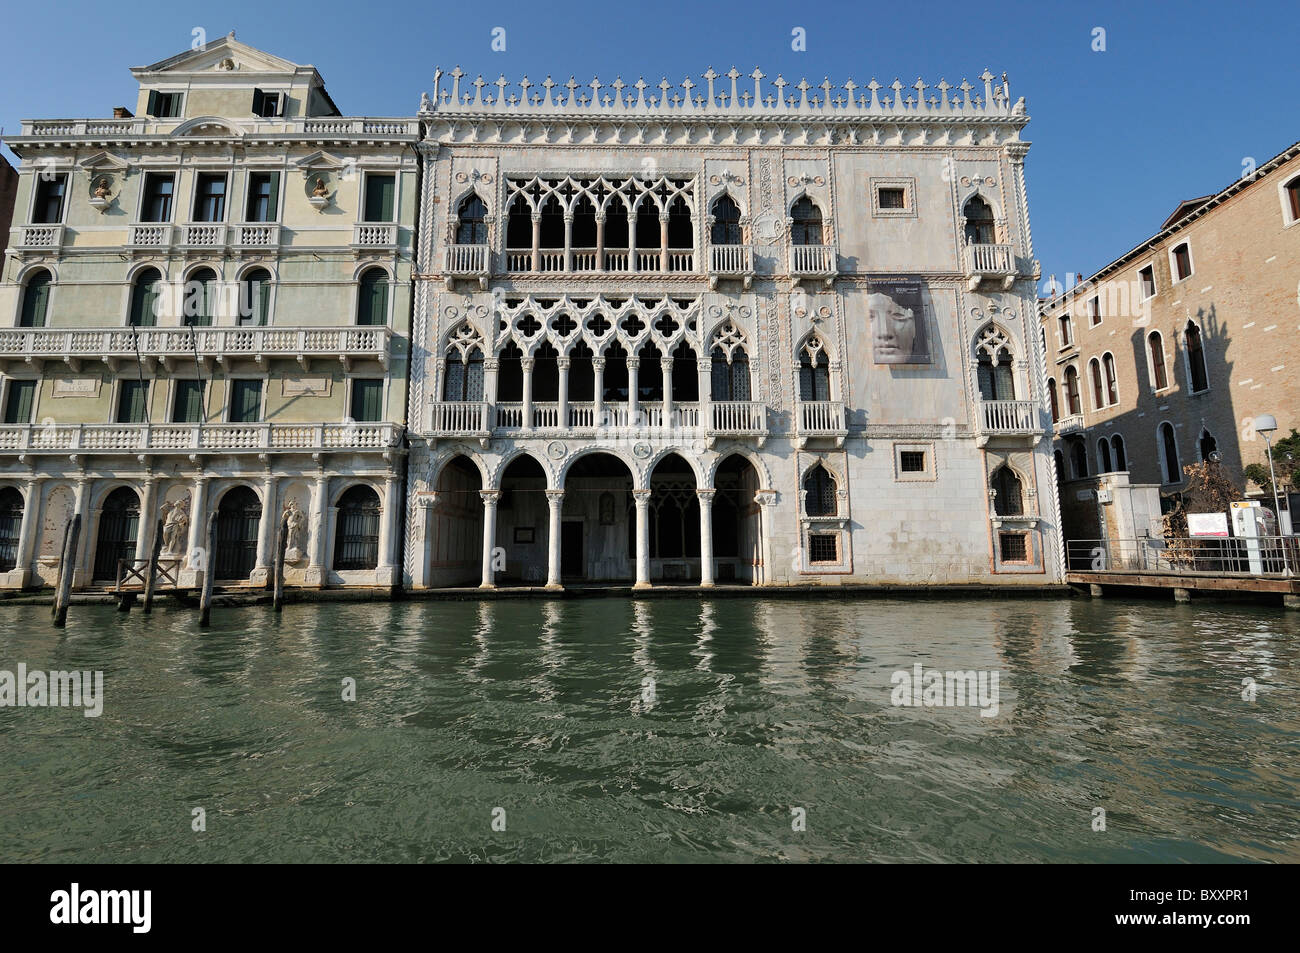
665,730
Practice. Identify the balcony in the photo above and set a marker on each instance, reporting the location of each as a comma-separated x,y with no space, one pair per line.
813,261
1014,418
1070,424
255,236
731,261
738,418
589,261
176,344
149,236
202,236
374,236
467,261
198,438
990,263
37,238
461,419
815,419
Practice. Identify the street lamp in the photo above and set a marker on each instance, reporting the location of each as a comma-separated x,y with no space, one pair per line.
1267,424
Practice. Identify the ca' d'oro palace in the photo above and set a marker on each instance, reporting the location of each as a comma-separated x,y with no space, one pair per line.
740,332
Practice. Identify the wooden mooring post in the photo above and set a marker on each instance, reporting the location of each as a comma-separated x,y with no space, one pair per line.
67,567
281,541
152,578
205,600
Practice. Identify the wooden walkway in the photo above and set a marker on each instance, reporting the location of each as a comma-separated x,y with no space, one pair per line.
1264,589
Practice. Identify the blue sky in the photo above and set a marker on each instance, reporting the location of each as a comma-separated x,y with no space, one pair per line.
1183,94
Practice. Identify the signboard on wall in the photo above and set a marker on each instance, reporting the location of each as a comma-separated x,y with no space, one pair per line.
1207,524
900,333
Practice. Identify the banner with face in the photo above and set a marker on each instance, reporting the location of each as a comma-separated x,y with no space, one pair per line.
900,333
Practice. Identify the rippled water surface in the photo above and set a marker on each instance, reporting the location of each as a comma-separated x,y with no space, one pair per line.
664,730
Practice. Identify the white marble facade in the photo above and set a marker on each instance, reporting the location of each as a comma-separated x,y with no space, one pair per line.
596,272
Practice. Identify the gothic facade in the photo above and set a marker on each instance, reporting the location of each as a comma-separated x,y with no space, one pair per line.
731,332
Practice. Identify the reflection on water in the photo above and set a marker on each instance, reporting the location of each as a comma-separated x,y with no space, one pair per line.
657,730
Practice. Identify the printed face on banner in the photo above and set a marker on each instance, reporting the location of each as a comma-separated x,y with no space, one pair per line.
899,331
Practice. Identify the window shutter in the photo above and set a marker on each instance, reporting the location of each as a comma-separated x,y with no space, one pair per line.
379,198
18,409
259,102
245,402
273,203
152,108
36,298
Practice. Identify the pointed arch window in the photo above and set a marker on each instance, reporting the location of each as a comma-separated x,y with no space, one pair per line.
1008,498
471,224
464,366
806,224
1156,347
980,226
1196,358
819,492
1098,395
726,222
1073,406
1112,380
730,370
519,224
1169,451
36,300
994,366
814,372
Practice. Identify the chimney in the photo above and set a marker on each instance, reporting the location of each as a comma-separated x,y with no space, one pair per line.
121,112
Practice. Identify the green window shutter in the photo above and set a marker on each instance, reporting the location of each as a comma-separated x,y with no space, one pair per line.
18,408
367,400
131,402
36,300
188,405
152,108
144,303
373,305
246,402
273,204
380,192
263,312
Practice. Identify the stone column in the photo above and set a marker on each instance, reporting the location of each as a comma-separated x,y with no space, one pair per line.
600,242
563,408
704,374
386,571
490,498
197,555
642,500
568,241
706,536
491,367
527,364
666,372
83,572
421,529
315,575
27,531
767,511
266,530
555,500
598,395
633,403
144,535
663,242
537,241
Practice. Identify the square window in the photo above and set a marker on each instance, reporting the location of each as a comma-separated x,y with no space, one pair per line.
164,105
267,105
263,197
914,461
1013,547
1094,310
911,461
159,187
1147,278
48,209
823,548
892,197
1181,259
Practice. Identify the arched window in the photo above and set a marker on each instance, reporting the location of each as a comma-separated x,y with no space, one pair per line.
471,229
1112,381
552,233
616,227
200,305
36,300
681,230
1103,455
1207,444
1052,399
819,492
994,376
806,226
11,521
1195,358
1073,406
238,518
726,222
814,372
1292,193
1098,395
145,292
584,224
1007,496
519,224
119,522
730,374
372,297
647,224
510,374
1080,454
255,297
1156,345
356,538
979,222
1117,447
464,376
1173,472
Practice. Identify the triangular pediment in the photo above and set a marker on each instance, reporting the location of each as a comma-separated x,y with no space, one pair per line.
225,54
104,160
320,160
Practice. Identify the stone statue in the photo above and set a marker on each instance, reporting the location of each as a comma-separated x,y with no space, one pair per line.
296,536
102,190
176,522
320,191
425,104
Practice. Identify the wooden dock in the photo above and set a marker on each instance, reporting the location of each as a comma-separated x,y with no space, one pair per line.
1284,590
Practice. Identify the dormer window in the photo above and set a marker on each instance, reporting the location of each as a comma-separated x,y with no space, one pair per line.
267,105
164,105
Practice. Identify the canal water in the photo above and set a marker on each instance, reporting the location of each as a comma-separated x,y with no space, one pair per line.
662,730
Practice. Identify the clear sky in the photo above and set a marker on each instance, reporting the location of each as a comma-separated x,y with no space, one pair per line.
1182,95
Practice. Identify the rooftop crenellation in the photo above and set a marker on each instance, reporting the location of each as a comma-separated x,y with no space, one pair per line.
731,93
